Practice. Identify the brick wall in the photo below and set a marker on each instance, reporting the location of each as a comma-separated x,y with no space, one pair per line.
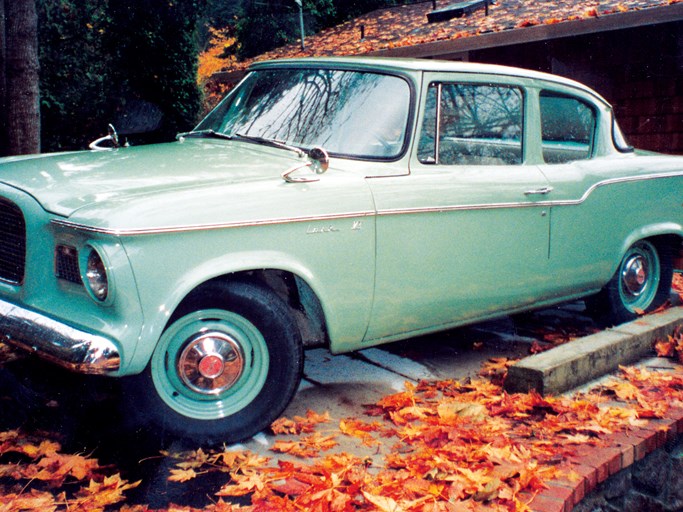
647,89
654,483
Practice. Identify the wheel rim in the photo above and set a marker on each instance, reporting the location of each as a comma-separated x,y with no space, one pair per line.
639,277
210,364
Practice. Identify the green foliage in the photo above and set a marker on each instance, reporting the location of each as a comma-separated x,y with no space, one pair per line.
133,62
101,61
264,25
73,71
220,14
155,58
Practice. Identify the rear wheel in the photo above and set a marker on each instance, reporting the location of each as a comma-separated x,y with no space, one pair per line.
641,284
226,366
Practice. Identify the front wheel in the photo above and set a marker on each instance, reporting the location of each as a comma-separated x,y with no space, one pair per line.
641,284
226,366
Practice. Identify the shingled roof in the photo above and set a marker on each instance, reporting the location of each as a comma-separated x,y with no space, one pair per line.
405,31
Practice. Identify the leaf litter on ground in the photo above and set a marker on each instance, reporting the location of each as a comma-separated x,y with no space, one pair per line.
435,446
452,446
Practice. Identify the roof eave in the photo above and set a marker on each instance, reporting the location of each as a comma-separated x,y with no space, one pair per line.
543,32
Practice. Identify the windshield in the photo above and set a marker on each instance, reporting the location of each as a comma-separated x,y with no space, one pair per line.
355,114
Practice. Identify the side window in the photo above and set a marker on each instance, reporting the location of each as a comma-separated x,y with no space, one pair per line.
471,124
567,128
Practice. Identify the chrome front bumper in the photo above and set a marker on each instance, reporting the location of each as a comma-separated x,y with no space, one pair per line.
52,340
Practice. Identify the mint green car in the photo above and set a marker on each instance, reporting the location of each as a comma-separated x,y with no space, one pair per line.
340,201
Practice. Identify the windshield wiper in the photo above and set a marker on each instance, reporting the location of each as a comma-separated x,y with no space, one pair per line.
252,138
271,142
204,133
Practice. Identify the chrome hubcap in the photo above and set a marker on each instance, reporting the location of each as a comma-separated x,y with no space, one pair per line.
210,363
634,275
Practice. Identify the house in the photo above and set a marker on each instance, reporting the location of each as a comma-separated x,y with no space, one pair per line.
630,51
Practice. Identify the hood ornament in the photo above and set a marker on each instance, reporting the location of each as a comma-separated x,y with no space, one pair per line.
319,162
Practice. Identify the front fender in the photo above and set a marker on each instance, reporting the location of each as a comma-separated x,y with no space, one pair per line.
336,262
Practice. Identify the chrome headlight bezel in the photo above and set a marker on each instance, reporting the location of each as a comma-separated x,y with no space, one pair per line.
96,275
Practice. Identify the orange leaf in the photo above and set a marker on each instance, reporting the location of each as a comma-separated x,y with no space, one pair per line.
383,503
308,446
244,484
299,424
360,429
182,475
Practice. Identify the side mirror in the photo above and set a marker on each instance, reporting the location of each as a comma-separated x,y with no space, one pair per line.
112,137
318,164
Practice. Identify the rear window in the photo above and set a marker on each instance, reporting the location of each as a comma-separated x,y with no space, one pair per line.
567,128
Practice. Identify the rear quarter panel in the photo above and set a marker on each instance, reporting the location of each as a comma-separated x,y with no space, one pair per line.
602,206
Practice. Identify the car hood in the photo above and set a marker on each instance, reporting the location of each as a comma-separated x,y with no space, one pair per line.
66,182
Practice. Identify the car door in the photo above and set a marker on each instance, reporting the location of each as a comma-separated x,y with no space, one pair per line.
568,146
465,235
601,201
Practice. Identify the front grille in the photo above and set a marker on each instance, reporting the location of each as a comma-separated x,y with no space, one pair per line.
12,243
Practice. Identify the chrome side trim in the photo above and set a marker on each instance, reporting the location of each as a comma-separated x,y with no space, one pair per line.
203,227
614,181
50,339
398,211
464,207
528,204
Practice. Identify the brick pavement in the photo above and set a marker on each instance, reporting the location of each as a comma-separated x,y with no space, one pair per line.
594,465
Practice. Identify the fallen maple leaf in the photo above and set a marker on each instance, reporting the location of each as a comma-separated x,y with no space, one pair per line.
527,23
453,409
360,429
244,484
299,424
496,368
55,467
672,346
99,495
383,503
182,475
623,390
307,446
33,500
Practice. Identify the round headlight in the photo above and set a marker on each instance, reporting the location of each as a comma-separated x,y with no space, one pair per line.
96,276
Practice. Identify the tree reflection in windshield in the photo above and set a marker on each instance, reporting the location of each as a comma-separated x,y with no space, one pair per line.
348,113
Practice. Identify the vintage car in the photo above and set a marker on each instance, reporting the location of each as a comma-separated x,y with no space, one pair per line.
339,201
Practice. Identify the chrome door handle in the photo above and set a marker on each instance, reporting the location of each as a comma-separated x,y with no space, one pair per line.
539,191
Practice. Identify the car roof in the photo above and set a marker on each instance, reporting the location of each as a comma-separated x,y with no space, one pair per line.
398,64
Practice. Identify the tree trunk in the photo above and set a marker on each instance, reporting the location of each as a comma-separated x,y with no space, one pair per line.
22,98
3,82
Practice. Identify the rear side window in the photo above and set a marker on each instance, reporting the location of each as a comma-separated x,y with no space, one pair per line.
567,128
472,124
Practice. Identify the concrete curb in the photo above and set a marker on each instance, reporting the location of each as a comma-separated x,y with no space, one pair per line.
574,364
